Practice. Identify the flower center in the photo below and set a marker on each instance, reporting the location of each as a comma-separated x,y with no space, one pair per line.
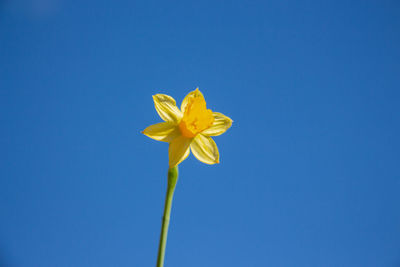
196,117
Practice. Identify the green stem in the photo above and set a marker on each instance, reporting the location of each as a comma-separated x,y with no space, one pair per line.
172,179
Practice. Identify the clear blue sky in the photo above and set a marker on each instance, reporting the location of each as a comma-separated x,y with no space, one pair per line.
309,172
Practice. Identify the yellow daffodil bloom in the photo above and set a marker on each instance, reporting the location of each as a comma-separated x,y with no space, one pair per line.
188,128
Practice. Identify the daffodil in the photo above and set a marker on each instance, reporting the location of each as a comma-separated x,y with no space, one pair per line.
189,128
186,129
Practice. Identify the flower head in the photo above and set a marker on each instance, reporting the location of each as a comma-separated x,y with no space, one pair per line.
189,128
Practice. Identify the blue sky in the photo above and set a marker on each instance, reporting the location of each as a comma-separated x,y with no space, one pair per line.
309,172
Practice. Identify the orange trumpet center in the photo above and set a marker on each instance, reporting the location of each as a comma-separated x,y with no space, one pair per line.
196,117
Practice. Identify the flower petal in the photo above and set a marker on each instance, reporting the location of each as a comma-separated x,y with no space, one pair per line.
179,150
163,131
205,149
195,93
166,108
220,125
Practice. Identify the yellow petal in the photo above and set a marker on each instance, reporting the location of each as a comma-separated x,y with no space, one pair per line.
163,131
166,108
195,93
205,149
179,150
220,125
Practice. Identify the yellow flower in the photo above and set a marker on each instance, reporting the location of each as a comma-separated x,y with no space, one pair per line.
188,128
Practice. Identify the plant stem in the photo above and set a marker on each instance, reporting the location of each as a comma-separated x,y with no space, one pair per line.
172,179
